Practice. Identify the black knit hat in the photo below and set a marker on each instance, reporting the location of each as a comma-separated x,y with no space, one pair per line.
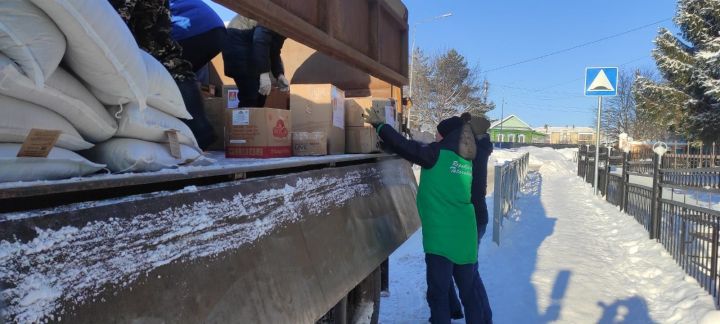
449,125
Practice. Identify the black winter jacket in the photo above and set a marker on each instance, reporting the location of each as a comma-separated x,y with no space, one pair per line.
251,52
426,155
479,187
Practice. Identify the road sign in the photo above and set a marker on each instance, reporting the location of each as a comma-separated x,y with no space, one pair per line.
601,81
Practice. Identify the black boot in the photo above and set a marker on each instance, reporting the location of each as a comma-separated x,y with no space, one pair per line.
200,126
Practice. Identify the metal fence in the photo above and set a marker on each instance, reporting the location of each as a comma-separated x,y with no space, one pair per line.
509,178
688,230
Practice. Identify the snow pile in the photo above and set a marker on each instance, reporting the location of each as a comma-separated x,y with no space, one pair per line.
75,265
565,256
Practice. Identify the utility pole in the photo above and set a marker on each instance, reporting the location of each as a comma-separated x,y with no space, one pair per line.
502,117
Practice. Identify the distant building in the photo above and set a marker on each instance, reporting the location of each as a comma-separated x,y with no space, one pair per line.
568,135
513,130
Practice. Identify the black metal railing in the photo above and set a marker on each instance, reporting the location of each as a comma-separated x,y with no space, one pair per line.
689,231
639,204
615,188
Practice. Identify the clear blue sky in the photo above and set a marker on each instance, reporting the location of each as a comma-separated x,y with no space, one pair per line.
492,34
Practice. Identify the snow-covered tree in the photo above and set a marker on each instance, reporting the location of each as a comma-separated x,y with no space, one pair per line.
688,101
445,86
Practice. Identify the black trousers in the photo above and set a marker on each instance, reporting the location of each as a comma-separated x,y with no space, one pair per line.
202,48
248,94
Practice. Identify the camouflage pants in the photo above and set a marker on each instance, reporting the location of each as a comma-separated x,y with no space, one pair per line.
149,21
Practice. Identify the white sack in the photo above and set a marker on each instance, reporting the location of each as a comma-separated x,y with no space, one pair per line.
62,94
30,38
149,124
163,92
132,155
60,164
100,49
19,117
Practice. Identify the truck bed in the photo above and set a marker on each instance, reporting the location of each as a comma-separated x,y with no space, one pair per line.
283,247
18,196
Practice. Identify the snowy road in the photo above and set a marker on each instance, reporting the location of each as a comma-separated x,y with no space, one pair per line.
565,257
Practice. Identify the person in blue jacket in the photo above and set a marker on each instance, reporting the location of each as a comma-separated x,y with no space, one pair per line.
479,190
199,31
252,55
447,215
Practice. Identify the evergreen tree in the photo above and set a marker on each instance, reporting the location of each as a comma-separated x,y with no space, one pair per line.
688,102
445,86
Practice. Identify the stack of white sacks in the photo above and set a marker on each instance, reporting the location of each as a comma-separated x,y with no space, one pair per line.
111,101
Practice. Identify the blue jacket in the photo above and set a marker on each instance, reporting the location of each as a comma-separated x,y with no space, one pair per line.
479,186
191,18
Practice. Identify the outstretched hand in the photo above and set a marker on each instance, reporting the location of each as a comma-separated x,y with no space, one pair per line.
371,117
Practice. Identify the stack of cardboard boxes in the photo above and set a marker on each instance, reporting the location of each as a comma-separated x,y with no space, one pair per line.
317,108
313,119
362,137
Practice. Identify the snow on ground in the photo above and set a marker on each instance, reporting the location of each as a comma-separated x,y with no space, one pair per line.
565,256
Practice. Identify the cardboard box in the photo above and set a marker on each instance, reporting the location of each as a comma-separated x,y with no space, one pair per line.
309,144
362,139
320,108
355,108
257,133
215,111
278,99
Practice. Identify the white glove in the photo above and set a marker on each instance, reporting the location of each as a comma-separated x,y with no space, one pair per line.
265,84
283,83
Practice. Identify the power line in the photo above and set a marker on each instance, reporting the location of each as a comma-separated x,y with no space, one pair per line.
576,46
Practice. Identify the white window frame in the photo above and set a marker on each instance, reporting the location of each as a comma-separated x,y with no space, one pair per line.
521,138
500,137
511,138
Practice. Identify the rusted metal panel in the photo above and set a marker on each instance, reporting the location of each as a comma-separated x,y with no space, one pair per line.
392,40
342,29
307,10
280,249
350,23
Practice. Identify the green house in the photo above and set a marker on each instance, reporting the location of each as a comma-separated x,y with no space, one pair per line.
513,130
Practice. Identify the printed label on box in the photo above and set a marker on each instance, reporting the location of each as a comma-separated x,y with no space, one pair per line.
390,116
241,117
232,99
338,106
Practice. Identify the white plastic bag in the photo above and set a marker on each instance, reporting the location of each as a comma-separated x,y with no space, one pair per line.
30,38
62,94
60,164
149,125
100,49
132,155
19,117
163,92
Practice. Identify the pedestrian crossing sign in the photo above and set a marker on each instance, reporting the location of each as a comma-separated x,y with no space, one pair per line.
601,81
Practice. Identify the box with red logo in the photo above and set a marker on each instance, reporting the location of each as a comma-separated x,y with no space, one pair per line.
257,133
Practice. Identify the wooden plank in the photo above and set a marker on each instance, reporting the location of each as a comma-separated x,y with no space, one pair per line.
280,19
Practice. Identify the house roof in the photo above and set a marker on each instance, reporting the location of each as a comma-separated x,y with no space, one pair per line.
511,122
573,129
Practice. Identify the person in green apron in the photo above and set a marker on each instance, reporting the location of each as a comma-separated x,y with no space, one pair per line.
447,214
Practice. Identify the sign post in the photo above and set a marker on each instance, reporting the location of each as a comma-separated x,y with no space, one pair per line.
600,81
